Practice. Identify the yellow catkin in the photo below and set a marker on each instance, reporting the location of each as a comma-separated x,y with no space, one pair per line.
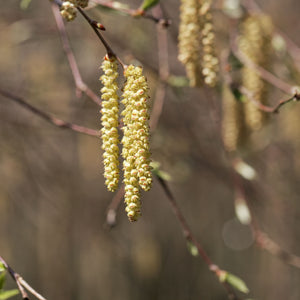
136,149
255,43
209,61
110,115
233,127
188,40
68,11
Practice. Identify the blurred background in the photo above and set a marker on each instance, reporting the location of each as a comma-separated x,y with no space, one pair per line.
53,201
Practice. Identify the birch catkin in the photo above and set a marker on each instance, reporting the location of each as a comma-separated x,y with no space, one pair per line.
209,61
233,123
136,149
188,41
110,116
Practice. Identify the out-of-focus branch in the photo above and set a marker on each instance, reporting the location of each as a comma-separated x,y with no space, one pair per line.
265,108
226,68
189,236
163,71
133,12
80,85
47,117
265,242
21,283
263,73
262,239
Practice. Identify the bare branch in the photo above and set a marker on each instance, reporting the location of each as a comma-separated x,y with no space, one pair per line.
189,236
47,117
261,238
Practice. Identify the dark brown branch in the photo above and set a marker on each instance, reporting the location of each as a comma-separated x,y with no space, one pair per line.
21,283
189,236
47,117
80,85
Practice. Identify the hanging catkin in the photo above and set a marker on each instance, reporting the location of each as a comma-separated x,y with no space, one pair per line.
255,43
209,60
233,126
110,116
188,40
136,150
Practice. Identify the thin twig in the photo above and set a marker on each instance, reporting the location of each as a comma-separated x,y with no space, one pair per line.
261,238
80,85
263,73
134,12
265,242
265,108
250,96
189,236
109,51
47,117
21,283
29,288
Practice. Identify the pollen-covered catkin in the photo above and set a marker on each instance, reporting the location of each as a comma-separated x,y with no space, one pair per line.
68,11
209,59
136,148
110,116
233,126
255,43
188,41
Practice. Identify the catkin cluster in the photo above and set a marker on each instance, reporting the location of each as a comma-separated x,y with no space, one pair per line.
240,116
255,43
135,141
68,8
196,42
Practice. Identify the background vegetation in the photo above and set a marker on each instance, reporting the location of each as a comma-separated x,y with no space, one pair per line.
53,201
